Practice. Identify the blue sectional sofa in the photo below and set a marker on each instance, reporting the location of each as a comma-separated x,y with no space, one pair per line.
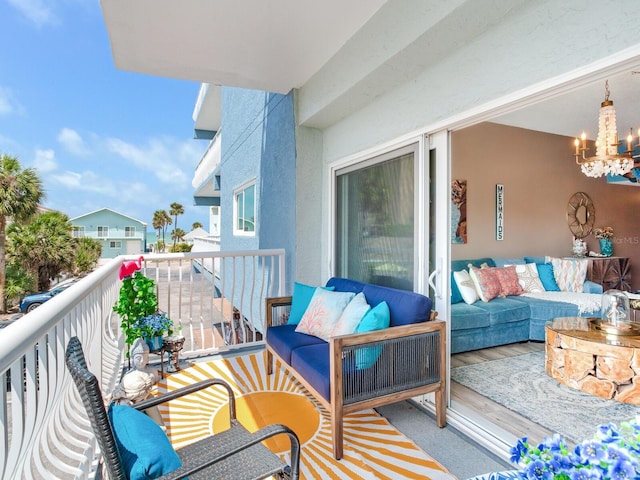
364,370
504,320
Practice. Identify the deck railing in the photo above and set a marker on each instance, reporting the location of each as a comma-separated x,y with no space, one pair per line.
215,298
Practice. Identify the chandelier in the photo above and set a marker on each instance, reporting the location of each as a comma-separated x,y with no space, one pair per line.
607,160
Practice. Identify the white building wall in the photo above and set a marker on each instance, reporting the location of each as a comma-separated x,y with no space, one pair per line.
537,45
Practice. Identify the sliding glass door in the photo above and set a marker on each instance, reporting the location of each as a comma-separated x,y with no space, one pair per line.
375,220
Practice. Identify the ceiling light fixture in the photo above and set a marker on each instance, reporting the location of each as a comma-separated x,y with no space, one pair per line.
607,160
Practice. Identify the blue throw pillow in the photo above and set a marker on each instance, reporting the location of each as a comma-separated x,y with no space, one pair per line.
378,318
144,448
456,296
300,301
545,272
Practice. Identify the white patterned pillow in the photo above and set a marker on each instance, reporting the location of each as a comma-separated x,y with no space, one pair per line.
351,316
323,313
570,274
528,278
466,286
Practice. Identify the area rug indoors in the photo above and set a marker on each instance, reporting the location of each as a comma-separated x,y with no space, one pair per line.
521,384
373,448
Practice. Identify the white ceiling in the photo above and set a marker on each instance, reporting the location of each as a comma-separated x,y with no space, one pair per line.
277,45
575,110
271,45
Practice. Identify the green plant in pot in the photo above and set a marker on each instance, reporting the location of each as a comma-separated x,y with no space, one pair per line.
138,299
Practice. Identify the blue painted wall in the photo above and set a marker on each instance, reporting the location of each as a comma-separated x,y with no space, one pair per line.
258,142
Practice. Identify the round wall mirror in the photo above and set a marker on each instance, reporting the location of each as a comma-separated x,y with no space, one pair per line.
581,214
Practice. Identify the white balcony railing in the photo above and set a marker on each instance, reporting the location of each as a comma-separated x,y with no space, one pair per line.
217,298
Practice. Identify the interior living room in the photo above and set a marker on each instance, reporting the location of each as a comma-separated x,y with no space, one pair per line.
526,200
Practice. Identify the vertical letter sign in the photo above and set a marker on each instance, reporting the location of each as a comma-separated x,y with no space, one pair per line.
499,212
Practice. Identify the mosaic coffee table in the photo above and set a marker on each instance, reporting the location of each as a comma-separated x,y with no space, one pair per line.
587,358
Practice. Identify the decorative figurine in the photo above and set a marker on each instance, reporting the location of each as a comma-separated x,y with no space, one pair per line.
140,356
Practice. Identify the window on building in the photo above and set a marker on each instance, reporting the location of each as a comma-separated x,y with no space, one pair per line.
374,234
129,231
115,244
244,210
103,232
77,232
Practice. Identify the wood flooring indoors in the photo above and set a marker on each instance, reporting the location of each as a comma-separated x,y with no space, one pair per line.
488,409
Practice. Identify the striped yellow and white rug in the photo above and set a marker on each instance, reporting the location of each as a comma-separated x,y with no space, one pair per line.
373,448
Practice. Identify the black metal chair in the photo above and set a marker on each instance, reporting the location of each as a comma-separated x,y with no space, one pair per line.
234,453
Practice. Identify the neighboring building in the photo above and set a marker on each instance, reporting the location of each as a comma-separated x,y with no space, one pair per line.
196,233
120,234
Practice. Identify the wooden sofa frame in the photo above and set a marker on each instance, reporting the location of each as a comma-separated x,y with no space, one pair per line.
393,338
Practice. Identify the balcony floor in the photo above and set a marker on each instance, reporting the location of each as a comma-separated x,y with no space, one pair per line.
457,453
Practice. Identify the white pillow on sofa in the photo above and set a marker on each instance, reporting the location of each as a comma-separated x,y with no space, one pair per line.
323,313
570,274
351,316
528,278
466,286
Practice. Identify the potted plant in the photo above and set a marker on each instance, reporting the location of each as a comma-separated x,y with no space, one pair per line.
138,299
152,328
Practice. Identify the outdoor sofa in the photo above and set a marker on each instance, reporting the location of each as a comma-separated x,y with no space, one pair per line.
364,370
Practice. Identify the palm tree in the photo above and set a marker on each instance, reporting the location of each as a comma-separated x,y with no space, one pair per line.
195,225
160,221
177,234
44,247
20,193
176,209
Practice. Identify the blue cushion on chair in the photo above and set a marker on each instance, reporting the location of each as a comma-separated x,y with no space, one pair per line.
145,450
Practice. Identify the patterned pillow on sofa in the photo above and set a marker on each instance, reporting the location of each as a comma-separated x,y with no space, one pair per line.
486,282
570,274
509,281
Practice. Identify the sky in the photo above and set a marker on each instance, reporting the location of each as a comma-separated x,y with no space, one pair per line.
98,137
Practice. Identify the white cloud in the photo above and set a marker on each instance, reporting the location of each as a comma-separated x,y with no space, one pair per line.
8,102
45,161
86,182
73,142
170,161
36,11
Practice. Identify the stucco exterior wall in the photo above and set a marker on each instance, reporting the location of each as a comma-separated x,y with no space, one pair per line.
535,45
258,143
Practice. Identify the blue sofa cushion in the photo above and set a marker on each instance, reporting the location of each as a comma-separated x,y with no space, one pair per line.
457,265
464,317
346,285
405,307
545,272
505,310
456,296
503,262
284,340
544,309
302,295
312,363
